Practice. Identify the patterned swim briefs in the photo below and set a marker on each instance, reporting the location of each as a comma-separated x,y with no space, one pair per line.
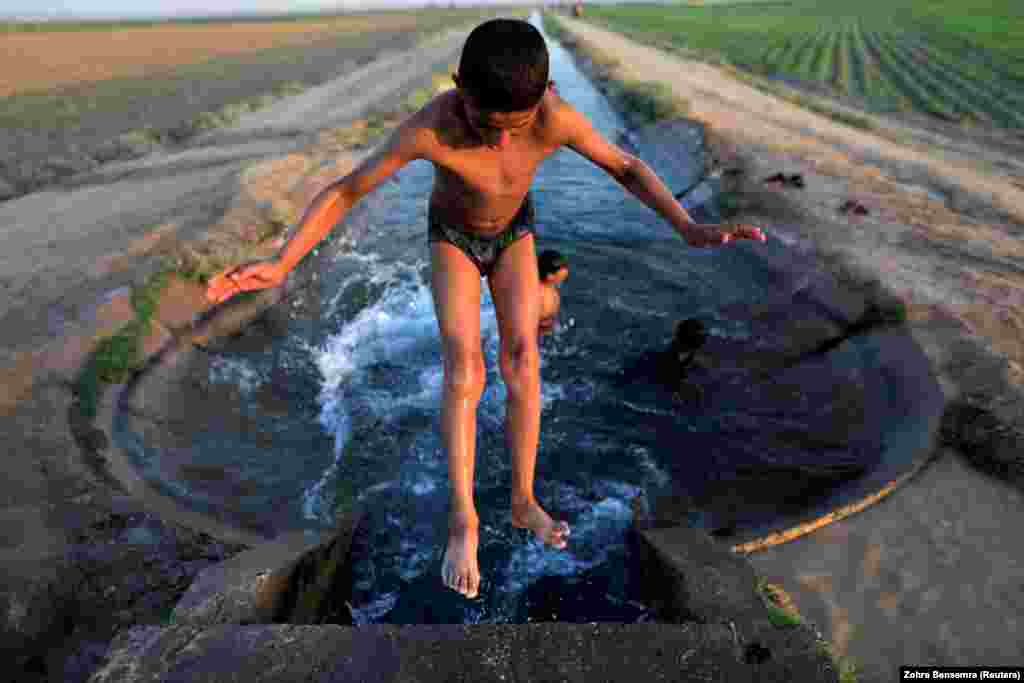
482,251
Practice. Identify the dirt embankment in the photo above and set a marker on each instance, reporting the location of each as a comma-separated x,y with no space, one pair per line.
942,230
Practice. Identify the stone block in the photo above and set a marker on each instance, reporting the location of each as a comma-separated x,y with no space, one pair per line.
698,579
298,577
690,577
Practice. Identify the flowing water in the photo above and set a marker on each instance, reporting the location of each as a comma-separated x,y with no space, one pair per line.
363,388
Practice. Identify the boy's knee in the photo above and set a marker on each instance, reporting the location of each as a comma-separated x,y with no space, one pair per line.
519,359
465,372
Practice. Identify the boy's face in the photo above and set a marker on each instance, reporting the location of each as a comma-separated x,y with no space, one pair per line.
490,124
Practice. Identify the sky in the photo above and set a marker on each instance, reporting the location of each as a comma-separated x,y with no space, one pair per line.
182,8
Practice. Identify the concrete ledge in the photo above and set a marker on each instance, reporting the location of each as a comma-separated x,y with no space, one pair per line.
719,630
532,652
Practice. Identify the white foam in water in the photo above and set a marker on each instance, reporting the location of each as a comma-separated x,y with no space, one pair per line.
432,379
315,505
332,305
598,529
424,485
226,370
413,560
387,331
377,488
643,456
617,303
645,409
550,392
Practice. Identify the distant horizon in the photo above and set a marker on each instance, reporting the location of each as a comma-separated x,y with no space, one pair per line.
187,10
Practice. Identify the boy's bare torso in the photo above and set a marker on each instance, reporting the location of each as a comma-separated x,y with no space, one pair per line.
480,187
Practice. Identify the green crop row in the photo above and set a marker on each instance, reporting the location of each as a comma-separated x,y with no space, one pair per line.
931,56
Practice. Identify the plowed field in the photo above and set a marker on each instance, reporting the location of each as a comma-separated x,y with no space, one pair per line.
40,61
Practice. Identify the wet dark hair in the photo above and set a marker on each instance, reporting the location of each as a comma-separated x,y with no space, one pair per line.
550,261
690,335
504,65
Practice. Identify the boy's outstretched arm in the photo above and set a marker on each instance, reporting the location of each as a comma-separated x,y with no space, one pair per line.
330,205
645,185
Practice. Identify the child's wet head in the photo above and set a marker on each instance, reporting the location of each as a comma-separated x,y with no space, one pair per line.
503,71
690,335
551,264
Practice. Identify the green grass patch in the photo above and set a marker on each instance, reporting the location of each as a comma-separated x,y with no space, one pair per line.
198,267
652,101
145,298
781,618
847,666
288,88
117,356
783,614
781,611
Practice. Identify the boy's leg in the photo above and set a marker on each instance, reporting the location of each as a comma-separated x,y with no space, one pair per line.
515,290
455,283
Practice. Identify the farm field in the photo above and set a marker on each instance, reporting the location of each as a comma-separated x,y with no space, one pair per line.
63,110
958,61
90,52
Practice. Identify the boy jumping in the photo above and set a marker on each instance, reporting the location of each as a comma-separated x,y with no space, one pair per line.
486,139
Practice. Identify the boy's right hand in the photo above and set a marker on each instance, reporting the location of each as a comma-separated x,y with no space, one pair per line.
246,277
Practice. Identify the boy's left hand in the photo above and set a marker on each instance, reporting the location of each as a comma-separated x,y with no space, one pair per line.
719,234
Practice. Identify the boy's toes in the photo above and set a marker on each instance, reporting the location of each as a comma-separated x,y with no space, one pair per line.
560,534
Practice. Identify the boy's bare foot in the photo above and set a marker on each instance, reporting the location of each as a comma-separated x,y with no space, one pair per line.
459,570
531,516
